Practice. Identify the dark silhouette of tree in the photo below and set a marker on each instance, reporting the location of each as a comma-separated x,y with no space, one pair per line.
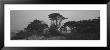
53,17
84,26
89,26
56,19
70,24
36,25
34,28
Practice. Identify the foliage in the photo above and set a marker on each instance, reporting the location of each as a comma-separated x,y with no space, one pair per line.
35,27
54,15
53,30
35,30
85,26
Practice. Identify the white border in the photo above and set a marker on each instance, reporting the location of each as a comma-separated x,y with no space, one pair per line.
56,43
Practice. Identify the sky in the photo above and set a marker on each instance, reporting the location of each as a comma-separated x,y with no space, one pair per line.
21,18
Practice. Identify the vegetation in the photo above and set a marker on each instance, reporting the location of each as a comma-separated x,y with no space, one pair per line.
80,30
84,26
84,29
35,27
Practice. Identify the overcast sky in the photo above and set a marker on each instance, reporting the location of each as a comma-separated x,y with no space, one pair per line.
21,18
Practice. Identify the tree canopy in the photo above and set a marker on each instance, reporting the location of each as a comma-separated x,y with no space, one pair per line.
36,25
54,15
85,25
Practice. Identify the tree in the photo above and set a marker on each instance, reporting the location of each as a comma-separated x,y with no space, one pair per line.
89,26
36,25
56,19
84,26
70,24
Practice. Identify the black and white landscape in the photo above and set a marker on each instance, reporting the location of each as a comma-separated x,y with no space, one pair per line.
55,24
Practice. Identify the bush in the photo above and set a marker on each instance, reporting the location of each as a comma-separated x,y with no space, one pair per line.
84,26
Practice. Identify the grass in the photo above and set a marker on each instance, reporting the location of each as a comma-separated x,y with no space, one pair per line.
83,36
56,36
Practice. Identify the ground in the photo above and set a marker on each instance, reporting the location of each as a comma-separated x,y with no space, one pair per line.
68,36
